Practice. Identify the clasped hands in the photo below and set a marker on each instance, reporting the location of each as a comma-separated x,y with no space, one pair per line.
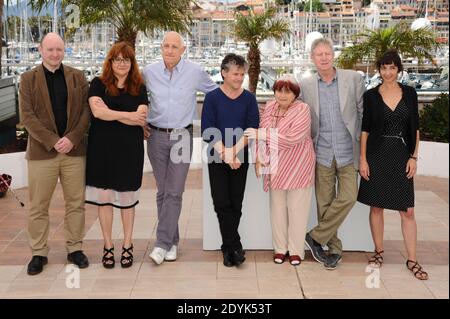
255,133
63,146
229,156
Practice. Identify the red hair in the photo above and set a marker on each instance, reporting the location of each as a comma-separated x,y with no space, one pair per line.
279,85
134,79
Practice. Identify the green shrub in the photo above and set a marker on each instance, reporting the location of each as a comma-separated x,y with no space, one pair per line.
434,120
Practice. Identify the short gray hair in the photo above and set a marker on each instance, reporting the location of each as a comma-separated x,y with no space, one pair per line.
182,43
320,41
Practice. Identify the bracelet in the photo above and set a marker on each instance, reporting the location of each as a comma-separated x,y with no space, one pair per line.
413,157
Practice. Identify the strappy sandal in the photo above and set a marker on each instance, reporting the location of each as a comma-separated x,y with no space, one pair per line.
417,270
108,262
127,261
376,260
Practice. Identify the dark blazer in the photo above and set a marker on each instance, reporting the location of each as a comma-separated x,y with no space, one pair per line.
36,113
373,117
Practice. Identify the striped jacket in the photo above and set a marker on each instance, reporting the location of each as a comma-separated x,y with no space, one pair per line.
288,149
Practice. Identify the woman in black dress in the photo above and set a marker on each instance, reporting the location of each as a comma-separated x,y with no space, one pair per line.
388,161
115,156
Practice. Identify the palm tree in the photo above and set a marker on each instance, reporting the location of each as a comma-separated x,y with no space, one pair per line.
316,6
373,43
254,29
131,16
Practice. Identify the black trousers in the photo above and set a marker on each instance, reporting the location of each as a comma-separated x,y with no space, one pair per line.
227,191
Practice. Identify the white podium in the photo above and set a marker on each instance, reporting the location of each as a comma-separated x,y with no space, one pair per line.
255,229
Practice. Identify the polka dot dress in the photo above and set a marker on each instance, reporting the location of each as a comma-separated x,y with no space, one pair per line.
388,187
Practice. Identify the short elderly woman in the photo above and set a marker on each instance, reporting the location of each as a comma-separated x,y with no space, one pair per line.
285,151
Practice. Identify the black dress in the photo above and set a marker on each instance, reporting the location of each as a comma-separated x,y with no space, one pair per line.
388,187
115,154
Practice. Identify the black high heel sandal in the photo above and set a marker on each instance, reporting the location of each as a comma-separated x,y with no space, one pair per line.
127,261
376,260
108,262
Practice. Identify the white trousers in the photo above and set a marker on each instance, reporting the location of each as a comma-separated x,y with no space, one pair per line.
289,211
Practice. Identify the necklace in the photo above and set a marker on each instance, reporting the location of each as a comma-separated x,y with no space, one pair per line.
278,116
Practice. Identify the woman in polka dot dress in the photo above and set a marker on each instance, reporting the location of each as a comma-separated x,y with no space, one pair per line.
388,161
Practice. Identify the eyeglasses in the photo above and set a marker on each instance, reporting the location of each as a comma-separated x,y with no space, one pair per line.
121,60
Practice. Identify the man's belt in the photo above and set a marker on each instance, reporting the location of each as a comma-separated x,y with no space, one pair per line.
169,130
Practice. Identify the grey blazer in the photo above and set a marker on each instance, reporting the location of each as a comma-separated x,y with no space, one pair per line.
351,89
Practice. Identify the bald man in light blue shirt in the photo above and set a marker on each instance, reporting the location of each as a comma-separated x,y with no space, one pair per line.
173,93
173,85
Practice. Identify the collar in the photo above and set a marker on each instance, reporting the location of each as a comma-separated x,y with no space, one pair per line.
319,78
177,67
47,71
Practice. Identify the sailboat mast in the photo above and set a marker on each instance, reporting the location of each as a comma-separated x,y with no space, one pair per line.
21,36
310,15
55,17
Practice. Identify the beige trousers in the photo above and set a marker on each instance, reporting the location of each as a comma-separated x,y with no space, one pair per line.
289,211
42,178
332,206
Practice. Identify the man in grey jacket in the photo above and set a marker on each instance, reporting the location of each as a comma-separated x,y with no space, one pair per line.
336,100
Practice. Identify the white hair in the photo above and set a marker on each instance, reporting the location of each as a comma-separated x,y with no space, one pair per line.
183,44
320,41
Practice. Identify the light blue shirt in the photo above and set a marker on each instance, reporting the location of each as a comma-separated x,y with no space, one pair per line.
334,140
173,96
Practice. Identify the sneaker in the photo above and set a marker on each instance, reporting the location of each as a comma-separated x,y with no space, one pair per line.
157,255
332,261
171,255
316,249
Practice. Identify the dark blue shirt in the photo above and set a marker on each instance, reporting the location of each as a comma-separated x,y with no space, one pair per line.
230,117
